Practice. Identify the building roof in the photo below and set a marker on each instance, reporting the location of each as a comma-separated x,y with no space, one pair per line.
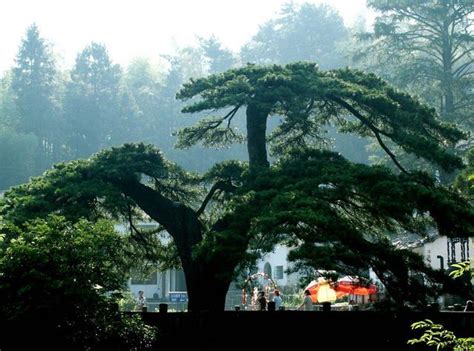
410,240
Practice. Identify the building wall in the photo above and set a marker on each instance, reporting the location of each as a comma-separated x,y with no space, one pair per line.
165,282
158,286
444,251
275,264
149,290
278,262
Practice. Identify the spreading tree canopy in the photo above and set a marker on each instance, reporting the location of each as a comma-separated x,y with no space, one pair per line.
307,99
333,212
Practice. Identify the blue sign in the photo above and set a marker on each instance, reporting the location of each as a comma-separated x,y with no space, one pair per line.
178,296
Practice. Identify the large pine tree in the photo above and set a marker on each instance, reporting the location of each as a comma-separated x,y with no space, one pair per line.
312,198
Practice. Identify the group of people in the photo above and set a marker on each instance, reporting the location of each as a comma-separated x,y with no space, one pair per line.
262,304
261,300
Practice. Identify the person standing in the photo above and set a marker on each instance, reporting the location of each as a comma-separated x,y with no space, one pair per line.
307,304
140,301
261,301
277,299
255,298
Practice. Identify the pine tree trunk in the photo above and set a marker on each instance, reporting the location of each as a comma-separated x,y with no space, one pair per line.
207,290
448,76
256,135
208,275
447,82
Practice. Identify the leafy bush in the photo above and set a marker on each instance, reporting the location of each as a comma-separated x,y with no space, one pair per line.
434,335
58,277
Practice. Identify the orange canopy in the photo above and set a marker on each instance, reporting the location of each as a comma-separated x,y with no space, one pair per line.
344,286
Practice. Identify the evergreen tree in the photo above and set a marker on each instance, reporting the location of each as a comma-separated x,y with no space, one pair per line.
34,84
465,179
144,84
92,106
188,62
427,46
18,156
219,59
18,151
8,110
304,32
313,33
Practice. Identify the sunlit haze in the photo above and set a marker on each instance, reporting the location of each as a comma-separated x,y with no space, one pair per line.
140,27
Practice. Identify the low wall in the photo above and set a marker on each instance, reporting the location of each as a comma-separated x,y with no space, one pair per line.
249,330
244,329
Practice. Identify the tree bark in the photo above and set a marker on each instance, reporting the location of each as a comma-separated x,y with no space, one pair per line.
448,77
447,83
256,135
207,287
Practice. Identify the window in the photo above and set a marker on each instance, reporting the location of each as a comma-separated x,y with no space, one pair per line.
278,272
267,269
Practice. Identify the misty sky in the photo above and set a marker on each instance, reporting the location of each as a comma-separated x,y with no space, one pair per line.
132,28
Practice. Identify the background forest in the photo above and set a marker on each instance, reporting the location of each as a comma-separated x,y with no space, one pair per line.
50,114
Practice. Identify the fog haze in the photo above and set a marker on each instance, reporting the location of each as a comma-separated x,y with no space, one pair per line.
136,28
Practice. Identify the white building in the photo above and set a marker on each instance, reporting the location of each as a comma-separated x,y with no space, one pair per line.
158,285
444,251
275,264
439,252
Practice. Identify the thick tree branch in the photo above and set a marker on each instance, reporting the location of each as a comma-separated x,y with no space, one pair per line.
417,17
459,71
369,125
158,207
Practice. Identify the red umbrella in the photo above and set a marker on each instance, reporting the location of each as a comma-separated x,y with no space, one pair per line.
345,286
353,285
372,289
